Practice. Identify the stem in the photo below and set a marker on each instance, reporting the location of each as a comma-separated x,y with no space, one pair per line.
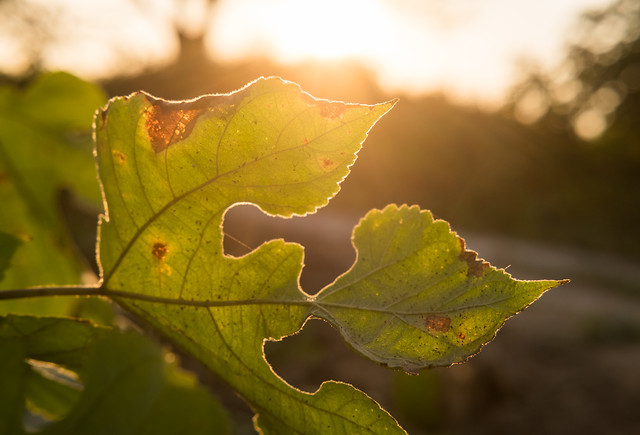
36,292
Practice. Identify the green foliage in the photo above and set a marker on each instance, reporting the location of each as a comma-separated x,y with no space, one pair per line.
8,246
87,379
414,298
45,146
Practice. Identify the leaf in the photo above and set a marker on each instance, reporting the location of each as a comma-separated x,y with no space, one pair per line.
8,246
169,173
50,392
45,146
415,297
60,342
88,379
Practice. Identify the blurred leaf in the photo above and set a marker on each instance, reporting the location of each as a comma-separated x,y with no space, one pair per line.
169,173
61,102
51,392
8,245
45,146
62,343
98,310
13,373
123,384
416,297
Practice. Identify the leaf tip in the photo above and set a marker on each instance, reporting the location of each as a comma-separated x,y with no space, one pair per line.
553,283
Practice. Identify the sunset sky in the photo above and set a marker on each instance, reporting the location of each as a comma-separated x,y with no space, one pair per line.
471,49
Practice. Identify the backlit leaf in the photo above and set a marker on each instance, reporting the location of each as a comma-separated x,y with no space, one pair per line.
170,171
414,298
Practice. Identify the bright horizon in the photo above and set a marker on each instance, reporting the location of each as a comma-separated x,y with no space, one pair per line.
467,49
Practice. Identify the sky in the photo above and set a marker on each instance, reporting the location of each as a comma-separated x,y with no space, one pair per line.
471,49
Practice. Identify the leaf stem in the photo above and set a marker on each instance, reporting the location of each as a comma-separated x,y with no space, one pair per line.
36,292
101,290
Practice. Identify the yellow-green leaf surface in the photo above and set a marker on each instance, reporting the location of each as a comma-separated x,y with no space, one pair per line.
170,170
80,379
416,297
45,147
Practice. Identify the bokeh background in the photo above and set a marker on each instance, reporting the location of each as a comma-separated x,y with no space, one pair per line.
518,122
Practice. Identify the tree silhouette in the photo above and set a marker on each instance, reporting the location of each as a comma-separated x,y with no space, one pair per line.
595,94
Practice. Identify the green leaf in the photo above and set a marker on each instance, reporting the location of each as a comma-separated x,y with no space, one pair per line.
51,392
169,173
415,297
55,341
13,372
45,146
8,246
86,379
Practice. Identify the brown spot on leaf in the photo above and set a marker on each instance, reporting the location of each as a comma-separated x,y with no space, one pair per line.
167,125
159,250
330,109
437,323
168,122
326,163
475,266
119,156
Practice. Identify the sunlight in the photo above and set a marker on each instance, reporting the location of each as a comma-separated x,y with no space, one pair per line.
403,50
105,38
291,30
465,49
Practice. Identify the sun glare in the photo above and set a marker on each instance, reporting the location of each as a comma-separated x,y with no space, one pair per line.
96,40
402,50
464,48
460,47
328,30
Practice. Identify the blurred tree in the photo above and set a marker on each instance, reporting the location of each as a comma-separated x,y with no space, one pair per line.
595,94
35,25
127,38
591,106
